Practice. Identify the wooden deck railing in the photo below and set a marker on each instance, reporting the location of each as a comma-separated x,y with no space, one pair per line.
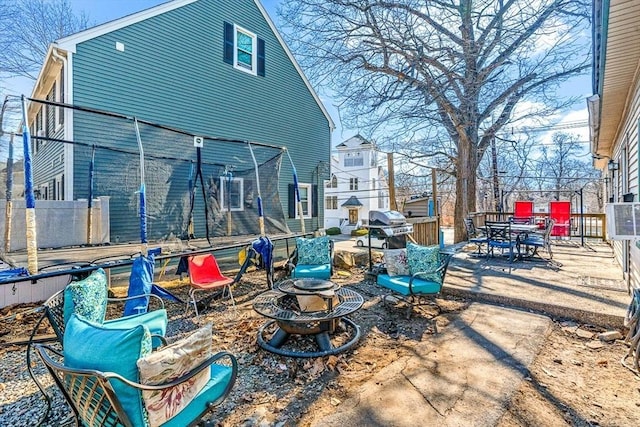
594,223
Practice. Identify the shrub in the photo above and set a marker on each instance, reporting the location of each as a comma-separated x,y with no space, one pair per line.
359,232
333,231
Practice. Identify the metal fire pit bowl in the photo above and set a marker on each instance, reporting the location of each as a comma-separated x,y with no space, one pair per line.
286,307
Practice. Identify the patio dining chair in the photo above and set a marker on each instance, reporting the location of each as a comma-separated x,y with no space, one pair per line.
537,241
478,237
499,236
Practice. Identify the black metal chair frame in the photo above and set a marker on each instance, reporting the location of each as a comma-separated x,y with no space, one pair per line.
93,399
543,242
292,261
475,236
53,311
416,299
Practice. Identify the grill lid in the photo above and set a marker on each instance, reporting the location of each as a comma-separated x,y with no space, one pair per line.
386,218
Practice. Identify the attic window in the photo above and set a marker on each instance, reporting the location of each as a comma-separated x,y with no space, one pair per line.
244,50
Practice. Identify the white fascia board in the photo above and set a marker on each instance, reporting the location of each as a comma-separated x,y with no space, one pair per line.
47,58
69,43
332,125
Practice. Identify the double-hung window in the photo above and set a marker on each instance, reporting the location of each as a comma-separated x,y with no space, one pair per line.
231,193
305,200
244,49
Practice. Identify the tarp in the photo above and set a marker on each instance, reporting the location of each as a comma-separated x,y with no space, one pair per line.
141,283
261,254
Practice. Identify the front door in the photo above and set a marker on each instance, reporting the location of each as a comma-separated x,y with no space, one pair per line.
353,216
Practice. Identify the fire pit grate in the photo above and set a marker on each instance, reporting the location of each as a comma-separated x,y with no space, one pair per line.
288,307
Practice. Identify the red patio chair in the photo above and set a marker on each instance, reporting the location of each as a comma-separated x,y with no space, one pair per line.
205,275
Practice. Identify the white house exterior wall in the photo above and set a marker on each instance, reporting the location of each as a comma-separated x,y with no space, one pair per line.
371,179
626,180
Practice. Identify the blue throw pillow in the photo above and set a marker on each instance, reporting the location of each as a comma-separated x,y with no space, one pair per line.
87,297
424,258
313,251
88,345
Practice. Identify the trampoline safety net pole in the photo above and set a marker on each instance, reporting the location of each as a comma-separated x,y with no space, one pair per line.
90,201
143,196
260,210
297,193
9,196
30,200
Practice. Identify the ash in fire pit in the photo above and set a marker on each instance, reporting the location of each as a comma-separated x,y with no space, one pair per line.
311,307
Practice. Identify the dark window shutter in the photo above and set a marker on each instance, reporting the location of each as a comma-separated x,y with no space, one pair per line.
228,43
314,200
261,57
292,201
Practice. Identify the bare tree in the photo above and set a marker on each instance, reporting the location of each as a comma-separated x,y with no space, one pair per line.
27,27
442,75
559,169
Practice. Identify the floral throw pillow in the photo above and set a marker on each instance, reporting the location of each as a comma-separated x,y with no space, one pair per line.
424,258
313,251
169,363
396,262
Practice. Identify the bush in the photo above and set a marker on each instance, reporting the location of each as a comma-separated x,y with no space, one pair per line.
333,231
359,232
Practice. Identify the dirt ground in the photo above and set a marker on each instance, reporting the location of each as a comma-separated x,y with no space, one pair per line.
576,379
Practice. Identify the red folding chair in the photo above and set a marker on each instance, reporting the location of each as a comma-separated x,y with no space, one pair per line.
205,275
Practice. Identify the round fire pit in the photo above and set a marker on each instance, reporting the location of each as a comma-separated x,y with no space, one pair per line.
310,307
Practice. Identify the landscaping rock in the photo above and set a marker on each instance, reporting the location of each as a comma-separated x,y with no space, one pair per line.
610,336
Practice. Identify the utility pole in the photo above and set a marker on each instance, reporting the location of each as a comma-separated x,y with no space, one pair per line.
392,186
496,183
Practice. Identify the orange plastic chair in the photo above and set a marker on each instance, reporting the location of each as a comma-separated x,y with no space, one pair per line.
205,275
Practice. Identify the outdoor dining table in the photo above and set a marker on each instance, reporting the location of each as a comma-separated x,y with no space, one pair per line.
519,233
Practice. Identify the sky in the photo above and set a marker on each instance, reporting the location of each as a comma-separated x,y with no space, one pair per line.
100,11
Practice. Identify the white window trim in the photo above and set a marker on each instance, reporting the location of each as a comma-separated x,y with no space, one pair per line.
254,50
309,188
59,110
223,198
59,186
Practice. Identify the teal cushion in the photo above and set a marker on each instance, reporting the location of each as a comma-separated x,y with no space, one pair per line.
87,297
313,251
312,271
424,258
220,377
400,284
155,321
88,345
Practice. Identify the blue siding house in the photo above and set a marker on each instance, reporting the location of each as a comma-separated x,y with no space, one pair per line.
204,67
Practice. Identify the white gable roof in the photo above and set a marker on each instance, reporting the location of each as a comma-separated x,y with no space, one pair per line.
69,43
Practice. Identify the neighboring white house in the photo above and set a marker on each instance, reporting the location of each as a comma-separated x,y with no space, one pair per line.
356,186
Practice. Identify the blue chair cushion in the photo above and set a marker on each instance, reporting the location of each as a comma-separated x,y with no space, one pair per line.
87,297
155,321
88,345
220,377
424,258
400,284
312,271
314,251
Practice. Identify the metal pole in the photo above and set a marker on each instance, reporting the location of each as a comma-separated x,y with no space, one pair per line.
581,218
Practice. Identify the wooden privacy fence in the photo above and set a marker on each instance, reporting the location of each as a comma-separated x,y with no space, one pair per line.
425,230
594,223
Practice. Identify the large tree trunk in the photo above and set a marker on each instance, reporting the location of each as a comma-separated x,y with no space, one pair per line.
465,188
